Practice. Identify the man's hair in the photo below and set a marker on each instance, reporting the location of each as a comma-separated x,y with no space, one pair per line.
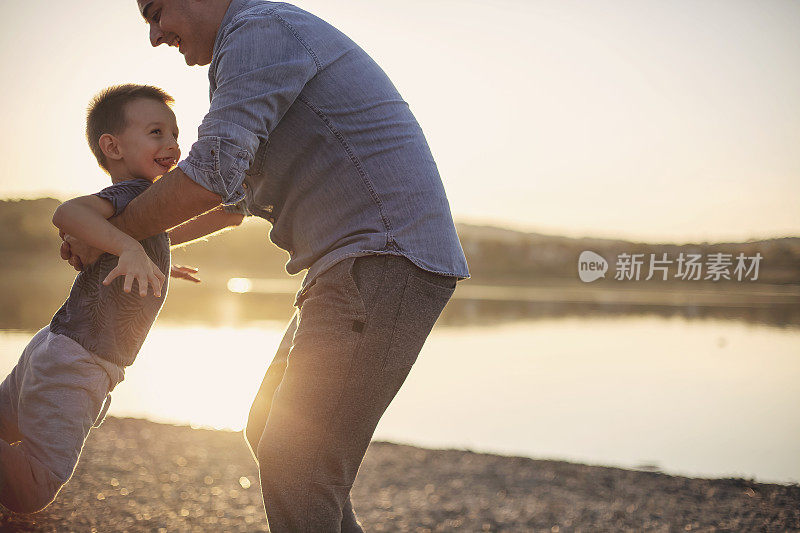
106,112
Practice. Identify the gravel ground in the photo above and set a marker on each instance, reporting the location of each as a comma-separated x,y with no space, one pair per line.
137,475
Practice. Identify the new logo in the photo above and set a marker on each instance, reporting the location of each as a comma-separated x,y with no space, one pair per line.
591,266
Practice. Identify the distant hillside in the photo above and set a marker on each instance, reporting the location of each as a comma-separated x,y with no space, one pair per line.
516,257
26,225
495,255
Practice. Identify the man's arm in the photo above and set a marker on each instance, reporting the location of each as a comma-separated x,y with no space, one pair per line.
199,227
170,201
85,218
204,225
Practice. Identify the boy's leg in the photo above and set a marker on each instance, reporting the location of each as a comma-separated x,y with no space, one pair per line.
9,391
14,465
60,397
360,329
26,485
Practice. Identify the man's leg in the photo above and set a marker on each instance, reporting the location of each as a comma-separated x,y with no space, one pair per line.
259,411
360,329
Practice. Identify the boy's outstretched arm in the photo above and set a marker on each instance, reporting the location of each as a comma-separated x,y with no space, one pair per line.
86,218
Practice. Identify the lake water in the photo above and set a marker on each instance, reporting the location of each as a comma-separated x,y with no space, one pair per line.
707,398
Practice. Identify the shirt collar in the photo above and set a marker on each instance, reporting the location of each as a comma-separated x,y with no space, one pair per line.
233,9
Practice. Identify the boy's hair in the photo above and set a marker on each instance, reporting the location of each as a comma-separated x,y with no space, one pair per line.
106,112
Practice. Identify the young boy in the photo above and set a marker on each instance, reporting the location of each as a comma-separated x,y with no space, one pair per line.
61,385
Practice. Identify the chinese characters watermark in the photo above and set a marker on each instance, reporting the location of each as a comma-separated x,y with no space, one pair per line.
686,267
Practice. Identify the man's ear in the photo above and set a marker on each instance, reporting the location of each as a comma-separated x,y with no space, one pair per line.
109,145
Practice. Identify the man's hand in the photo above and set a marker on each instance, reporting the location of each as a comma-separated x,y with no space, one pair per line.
184,272
135,265
77,253
66,253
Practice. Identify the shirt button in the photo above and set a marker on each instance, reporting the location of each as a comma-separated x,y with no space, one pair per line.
244,184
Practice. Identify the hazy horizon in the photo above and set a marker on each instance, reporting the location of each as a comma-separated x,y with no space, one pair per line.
631,119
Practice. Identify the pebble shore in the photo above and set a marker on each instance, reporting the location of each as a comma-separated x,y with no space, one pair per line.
137,475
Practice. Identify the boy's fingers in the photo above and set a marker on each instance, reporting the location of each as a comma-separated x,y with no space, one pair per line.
156,287
151,280
157,279
111,276
144,284
128,283
184,274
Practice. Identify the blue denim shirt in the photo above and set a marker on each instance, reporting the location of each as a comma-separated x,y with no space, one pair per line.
310,131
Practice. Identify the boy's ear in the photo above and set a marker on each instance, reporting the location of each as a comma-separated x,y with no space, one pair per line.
109,145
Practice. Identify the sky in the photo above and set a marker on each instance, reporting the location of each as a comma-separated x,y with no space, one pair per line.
665,121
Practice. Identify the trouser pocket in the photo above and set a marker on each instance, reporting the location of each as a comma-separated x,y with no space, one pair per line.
420,306
332,299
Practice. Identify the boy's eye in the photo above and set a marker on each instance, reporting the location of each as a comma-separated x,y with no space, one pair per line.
156,16
157,131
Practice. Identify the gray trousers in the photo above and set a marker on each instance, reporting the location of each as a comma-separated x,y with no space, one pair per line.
357,332
48,404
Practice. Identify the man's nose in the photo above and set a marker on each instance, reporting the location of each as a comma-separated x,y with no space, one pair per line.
156,35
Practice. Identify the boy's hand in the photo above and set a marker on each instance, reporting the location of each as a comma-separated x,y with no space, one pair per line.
184,272
134,264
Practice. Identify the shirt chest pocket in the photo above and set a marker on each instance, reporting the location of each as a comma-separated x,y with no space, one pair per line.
258,162
261,192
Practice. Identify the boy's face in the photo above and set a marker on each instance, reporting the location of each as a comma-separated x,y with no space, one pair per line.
149,143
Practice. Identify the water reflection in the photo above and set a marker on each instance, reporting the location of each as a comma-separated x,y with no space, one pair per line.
465,312
706,398
240,301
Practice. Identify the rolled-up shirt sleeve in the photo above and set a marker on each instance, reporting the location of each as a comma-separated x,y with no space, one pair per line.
259,68
239,208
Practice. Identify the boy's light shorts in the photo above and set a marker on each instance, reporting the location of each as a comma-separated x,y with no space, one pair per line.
49,403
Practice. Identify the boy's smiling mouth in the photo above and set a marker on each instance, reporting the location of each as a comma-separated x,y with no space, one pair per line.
165,162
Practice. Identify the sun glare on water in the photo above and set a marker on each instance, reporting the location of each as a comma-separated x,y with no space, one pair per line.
185,375
240,285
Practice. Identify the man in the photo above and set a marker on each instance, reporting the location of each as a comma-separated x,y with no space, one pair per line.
312,135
